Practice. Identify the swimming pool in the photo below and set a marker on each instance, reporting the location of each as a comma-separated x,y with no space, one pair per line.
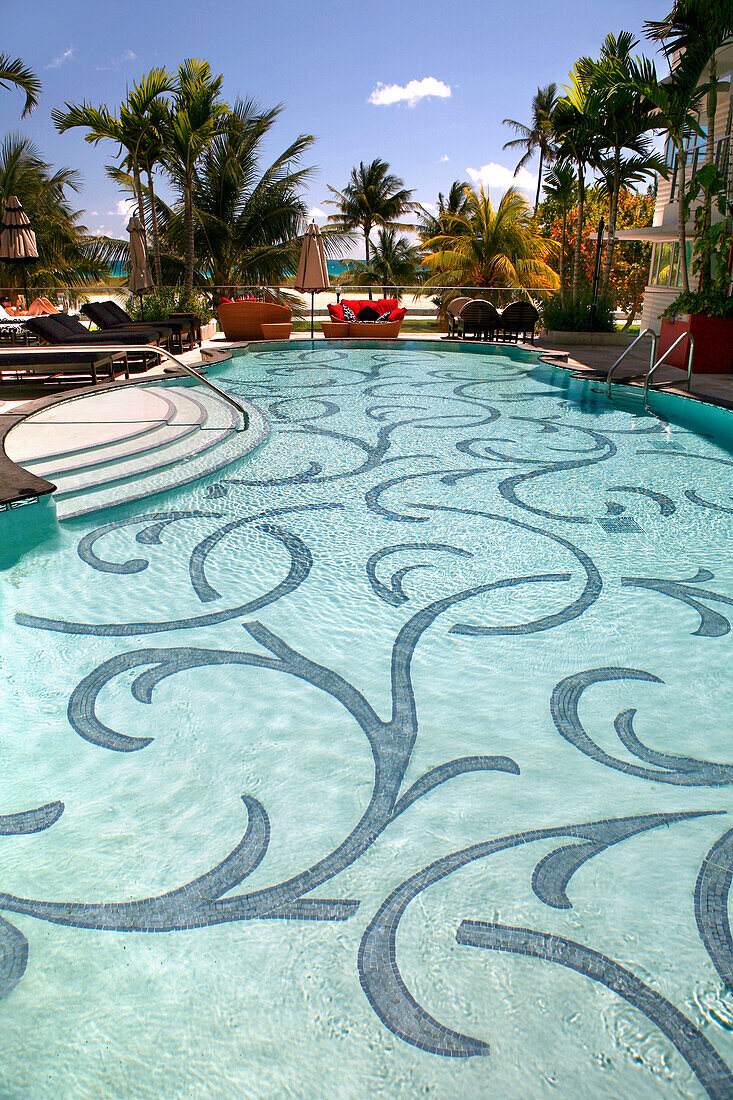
392,759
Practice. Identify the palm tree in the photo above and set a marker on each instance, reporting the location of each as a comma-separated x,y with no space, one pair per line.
695,30
625,122
430,224
68,256
561,189
373,196
394,262
576,123
135,132
487,247
247,218
538,136
14,72
674,102
195,118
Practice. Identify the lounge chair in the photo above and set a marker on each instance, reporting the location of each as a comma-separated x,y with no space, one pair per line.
101,316
50,361
63,329
452,311
478,317
109,316
13,328
518,319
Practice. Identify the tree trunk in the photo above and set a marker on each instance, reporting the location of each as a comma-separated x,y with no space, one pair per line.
579,233
154,224
539,182
612,218
706,273
188,215
564,241
682,184
633,310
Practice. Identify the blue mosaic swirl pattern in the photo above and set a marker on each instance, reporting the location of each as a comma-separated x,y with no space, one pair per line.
394,469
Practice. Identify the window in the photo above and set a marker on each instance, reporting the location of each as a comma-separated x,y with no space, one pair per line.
665,268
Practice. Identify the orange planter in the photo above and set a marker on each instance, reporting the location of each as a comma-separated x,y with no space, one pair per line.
244,320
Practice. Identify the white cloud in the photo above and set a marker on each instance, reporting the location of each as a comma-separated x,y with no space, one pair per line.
117,62
316,212
444,159
67,55
497,175
386,94
125,207
431,207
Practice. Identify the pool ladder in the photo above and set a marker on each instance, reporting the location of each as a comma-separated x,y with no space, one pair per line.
663,356
654,363
625,352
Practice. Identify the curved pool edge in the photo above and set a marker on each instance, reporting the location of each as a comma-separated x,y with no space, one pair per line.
20,488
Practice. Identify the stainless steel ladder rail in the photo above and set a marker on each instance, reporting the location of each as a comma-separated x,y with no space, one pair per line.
149,348
625,352
663,356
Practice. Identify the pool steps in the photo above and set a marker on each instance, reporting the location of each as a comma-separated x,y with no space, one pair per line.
176,434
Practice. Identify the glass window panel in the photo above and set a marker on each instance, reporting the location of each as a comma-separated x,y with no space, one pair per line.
665,260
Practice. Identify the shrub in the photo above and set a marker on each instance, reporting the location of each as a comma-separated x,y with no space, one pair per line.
171,299
576,318
710,304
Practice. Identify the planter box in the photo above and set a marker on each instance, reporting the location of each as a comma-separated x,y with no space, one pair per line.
600,339
713,343
208,330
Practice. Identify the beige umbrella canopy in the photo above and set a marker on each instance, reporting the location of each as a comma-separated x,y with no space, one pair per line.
17,239
141,277
312,270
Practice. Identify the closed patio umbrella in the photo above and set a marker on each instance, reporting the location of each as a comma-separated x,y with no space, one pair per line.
312,270
17,239
141,277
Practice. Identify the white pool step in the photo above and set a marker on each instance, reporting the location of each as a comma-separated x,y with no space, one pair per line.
127,444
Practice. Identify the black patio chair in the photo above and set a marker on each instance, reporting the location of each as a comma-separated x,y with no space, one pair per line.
178,320
111,315
59,328
106,320
478,317
518,319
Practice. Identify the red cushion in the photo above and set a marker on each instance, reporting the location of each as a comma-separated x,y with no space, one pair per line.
337,312
386,305
356,306
225,301
397,314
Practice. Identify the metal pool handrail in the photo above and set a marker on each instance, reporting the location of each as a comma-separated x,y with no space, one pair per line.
625,352
185,367
663,356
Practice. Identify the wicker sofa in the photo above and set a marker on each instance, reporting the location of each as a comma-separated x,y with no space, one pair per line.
243,319
339,328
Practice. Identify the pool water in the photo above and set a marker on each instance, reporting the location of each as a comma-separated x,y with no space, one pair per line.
395,759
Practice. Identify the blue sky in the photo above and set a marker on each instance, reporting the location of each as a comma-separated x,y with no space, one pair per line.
352,74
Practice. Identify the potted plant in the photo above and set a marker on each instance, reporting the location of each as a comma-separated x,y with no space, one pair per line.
706,314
